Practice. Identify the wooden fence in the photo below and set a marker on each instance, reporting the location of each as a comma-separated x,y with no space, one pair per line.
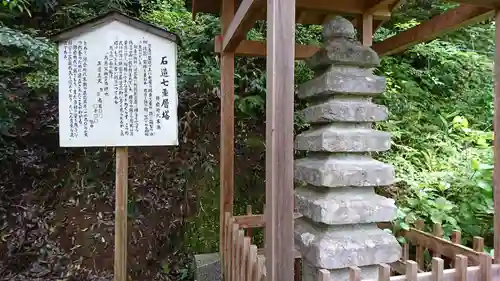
451,261
418,242
241,260
486,271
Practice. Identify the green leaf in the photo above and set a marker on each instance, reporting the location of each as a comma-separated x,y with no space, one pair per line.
404,226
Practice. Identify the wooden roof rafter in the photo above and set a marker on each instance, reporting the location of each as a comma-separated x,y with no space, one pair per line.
426,31
431,29
308,11
244,19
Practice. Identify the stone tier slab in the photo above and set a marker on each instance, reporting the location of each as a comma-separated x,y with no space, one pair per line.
310,273
343,171
345,111
344,205
335,138
343,80
337,247
343,51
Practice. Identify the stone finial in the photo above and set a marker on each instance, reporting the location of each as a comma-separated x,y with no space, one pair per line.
338,27
341,49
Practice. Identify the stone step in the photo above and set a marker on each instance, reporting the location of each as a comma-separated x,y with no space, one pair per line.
339,139
343,80
208,267
342,171
345,111
344,205
338,247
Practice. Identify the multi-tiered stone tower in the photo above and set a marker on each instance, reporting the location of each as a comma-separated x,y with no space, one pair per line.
337,197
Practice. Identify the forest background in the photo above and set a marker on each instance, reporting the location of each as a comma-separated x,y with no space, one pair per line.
56,204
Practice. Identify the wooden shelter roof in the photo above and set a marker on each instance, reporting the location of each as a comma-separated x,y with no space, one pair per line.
313,11
319,11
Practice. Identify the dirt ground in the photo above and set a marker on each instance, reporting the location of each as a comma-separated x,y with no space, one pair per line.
56,205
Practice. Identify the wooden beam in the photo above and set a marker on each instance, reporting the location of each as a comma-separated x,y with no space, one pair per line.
447,248
351,7
227,129
244,19
496,144
482,3
255,221
279,140
300,16
371,6
249,48
429,30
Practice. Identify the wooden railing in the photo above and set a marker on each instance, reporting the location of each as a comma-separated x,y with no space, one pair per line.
241,261
486,271
245,262
437,246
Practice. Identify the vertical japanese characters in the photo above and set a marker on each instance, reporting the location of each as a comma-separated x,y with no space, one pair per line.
124,75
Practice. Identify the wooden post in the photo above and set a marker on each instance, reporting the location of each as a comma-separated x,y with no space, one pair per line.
366,34
496,144
227,127
279,140
121,214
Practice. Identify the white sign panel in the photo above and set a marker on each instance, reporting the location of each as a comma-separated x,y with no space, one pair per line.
117,87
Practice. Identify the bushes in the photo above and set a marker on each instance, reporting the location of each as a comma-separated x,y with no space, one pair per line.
440,103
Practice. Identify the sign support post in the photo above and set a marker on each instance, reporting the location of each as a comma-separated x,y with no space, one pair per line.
121,213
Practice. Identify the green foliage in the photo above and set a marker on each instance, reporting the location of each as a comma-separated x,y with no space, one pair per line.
27,61
440,102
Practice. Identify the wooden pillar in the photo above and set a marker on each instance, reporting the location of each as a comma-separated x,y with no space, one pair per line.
227,127
496,143
279,140
366,32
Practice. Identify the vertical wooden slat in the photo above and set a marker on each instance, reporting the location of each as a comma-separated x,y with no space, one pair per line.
234,252
260,269
496,143
246,256
252,259
411,270
456,237
437,231
229,237
354,273
255,270
485,266
227,122
384,272
239,249
437,269
249,230
227,253
419,254
297,272
323,275
478,244
279,139
406,251
461,268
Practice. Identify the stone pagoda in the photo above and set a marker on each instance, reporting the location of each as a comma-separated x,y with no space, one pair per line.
336,182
